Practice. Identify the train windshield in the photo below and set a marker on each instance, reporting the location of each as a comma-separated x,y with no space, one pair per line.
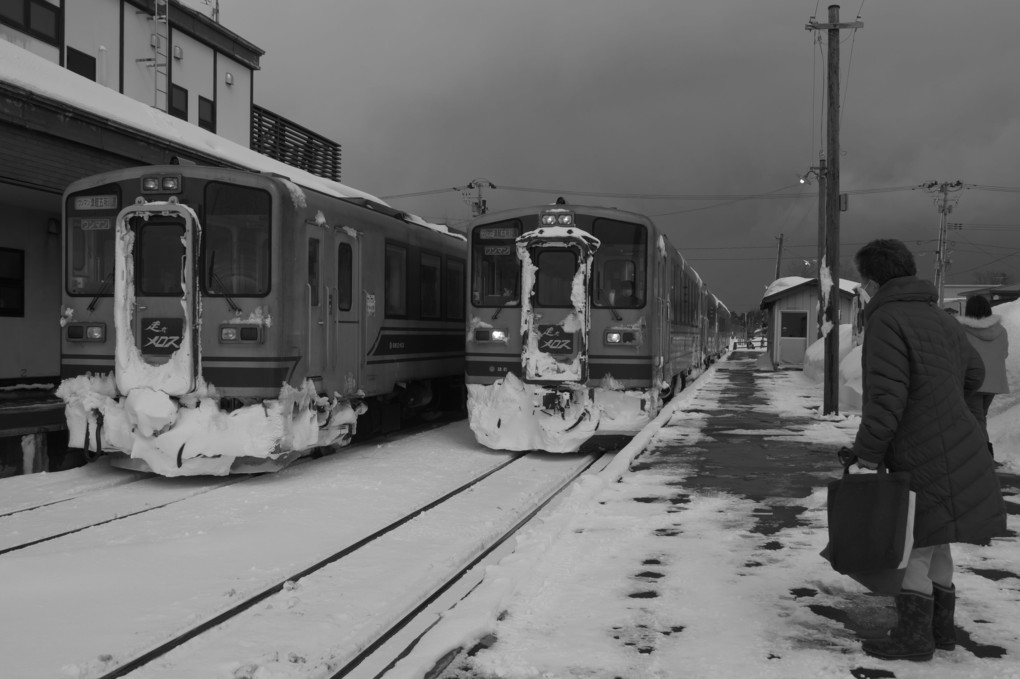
621,263
90,240
554,280
496,271
160,253
235,236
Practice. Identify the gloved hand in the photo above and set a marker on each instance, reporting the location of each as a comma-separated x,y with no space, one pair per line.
864,464
846,456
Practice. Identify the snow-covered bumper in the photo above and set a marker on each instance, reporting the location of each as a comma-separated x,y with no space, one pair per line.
147,429
512,415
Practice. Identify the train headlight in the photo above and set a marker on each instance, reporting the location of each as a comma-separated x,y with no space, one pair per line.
619,336
491,335
240,333
557,219
86,332
167,183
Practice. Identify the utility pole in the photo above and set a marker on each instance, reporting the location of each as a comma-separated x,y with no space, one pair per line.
945,206
830,391
779,256
478,205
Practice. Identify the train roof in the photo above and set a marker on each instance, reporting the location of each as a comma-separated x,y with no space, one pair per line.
49,81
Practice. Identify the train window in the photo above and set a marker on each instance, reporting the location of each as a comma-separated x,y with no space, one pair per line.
90,240
554,279
431,285
235,237
313,271
12,282
159,254
344,277
396,280
495,269
454,289
620,264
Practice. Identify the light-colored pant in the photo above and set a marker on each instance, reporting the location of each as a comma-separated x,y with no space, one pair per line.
927,565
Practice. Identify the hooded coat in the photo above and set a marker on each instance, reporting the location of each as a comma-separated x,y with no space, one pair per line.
917,364
992,343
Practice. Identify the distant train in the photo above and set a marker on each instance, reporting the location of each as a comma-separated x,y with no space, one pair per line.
581,321
220,321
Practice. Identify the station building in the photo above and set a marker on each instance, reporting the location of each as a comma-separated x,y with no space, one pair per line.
169,55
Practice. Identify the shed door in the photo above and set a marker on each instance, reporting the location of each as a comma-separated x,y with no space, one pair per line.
792,337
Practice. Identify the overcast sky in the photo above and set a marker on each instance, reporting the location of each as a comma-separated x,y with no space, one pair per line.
666,97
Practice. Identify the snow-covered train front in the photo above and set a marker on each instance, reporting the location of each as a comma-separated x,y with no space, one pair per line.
582,320
219,321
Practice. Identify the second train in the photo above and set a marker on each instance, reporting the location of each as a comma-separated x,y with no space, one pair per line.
582,321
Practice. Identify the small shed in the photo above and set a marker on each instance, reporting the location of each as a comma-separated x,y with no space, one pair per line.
791,316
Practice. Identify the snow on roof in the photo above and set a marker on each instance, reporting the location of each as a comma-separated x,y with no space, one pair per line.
781,285
23,69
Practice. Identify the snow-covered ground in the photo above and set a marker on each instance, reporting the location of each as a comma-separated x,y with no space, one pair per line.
553,604
557,594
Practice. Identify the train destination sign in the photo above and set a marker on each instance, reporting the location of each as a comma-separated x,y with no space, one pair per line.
498,232
97,202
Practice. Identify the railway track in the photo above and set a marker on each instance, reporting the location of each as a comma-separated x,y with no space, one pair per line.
364,587
361,566
107,495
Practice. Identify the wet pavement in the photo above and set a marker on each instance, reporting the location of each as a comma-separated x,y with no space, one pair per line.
734,457
731,439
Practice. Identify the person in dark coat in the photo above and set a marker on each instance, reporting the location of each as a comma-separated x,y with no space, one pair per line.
917,368
984,330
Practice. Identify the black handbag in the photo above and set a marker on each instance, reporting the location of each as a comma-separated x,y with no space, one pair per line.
871,527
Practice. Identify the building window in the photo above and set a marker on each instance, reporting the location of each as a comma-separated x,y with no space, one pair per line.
396,281
178,102
81,63
206,114
38,18
12,282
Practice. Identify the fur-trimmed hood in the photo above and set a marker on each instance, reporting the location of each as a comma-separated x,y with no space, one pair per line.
987,328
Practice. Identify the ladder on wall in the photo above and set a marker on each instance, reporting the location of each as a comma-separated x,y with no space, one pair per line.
160,61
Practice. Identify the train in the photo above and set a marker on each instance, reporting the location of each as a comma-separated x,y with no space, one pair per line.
218,321
582,321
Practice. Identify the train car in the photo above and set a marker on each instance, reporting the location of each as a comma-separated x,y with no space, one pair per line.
719,329
582,320
222,321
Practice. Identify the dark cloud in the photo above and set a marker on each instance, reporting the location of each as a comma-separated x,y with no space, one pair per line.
663,97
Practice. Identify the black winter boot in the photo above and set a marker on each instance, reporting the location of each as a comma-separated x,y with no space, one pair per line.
942,626
911,639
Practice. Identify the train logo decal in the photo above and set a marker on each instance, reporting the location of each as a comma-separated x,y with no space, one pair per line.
162,335
553,339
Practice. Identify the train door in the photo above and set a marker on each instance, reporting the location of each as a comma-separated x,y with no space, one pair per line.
346,344
316,308
555,307
155,304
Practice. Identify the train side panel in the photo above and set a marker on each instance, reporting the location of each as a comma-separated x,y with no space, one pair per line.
288,327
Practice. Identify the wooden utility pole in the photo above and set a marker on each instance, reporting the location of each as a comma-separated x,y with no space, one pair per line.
779,256
944,206
830,391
